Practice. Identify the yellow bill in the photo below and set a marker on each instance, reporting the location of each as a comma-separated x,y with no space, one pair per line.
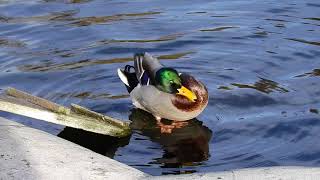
187,93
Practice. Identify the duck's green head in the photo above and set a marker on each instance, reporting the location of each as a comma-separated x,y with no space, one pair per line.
169,81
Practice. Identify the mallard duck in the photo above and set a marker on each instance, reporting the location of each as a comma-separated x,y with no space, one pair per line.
162,91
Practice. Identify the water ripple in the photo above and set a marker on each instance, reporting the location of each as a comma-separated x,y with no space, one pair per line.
11,43
315,72
69,16
316,43
218,29
263,85
49,66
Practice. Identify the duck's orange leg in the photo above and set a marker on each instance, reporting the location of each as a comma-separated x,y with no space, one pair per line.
164,128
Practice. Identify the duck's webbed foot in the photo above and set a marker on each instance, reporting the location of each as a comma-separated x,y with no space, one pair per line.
165,128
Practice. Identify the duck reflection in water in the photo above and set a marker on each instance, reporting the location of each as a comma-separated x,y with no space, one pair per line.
183,146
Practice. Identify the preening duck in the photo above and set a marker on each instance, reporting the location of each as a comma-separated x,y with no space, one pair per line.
162,91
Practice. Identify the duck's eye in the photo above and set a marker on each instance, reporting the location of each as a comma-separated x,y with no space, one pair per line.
171,82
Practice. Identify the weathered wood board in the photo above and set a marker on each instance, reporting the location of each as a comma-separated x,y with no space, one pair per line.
22,103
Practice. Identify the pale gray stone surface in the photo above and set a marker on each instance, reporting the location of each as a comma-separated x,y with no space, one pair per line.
27,153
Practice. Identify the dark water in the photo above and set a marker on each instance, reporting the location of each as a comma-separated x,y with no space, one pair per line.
259,59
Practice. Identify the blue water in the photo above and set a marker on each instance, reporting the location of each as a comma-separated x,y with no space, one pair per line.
259,60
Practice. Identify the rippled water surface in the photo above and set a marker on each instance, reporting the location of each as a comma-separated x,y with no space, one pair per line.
259,59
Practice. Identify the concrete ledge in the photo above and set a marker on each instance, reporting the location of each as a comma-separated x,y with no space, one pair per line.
271,173
27,153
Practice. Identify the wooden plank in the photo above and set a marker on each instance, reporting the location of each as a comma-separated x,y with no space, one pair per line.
22,103
37,101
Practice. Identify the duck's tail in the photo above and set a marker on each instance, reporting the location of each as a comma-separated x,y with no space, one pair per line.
128,78
132,78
